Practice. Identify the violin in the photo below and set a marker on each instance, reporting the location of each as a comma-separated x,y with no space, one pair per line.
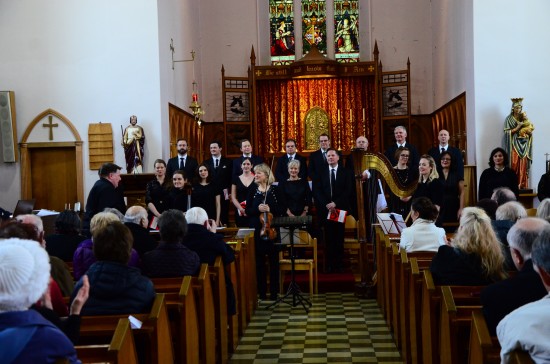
267,232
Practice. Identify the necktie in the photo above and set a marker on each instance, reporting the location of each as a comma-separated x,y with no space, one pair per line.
290,159
181,163
217,161
442,150
325,156
332,181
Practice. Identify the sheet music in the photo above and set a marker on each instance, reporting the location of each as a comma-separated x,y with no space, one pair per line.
388,225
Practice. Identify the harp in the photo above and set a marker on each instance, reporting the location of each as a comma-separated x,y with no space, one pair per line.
363,160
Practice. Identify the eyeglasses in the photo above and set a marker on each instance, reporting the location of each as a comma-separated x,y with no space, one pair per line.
445,159
404,155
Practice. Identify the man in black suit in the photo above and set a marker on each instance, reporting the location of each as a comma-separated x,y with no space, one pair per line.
246,148
182,161
281,171
317,159
444,146
106,192
332,191
221,168
501,298
400,133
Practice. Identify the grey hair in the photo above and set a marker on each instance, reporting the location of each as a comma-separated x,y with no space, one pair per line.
114,211
511,210
135,214
524,232
541,250
543,211
502,195
294,163
196,215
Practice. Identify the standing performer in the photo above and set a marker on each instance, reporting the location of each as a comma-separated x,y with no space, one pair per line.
133,139
261,206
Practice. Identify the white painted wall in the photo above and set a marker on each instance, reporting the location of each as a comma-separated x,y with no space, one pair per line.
90,60
511,51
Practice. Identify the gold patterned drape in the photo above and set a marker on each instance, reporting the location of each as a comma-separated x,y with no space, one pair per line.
282,105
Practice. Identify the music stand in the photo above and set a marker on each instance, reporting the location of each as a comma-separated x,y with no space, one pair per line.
391,223
292,223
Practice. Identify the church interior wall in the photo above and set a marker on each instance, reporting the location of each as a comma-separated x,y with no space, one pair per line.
511,60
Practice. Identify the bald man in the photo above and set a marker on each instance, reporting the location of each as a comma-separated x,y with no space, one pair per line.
444,146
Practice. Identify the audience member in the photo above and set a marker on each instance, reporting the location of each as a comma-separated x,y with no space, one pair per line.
527,328
106,192
489,206
543,211
202,238
506,216
67,236
501,298
497,175
543,187
422,235
502,195
26,336
84,256
474,257
171,258
116,287
135,219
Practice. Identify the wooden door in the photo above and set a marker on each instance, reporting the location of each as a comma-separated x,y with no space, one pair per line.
53,179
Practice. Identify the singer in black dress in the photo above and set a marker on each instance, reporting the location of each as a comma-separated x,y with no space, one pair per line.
178,196
296,191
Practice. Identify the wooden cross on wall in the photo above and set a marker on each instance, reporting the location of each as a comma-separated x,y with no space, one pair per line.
51,126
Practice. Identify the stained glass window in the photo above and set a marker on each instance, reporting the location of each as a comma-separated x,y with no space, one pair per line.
346,30
314,25
281,21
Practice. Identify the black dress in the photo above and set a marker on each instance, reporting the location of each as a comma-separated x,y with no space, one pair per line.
491,179
205,196
451,197
297,195
157,194
431,189
178,199
406,176
242,194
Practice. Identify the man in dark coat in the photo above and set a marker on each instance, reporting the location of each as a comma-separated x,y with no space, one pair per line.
501,298
202,238
246,148
332,191
444,146
136,220
221,168
281,171
106,192
182,161
400,134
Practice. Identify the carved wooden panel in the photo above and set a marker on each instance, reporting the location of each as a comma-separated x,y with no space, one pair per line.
100,145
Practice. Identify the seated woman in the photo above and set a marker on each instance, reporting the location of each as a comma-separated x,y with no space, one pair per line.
474,257
67,236
26,336
84,256
422,235
115,287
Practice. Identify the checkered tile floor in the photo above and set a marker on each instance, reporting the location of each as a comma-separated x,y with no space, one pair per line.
340,328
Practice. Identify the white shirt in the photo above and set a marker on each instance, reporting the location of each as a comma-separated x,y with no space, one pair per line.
422,235
527,328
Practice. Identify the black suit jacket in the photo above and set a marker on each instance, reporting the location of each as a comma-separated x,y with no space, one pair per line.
190,169
342,194
103,194
501,298
222,174
237,171
435,152
281,171
414,157
317,162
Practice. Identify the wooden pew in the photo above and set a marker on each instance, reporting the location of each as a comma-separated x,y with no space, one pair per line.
154,334
202,288
416,281
395,286
380,246
217,278
483,347
234,321
457,305
121,350
182,310
520,357
403,299
431,298
250,268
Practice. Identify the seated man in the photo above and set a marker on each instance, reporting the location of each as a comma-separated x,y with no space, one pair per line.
202,238
171,258
501,298
502,195
115,287
136,220
528,327
26,336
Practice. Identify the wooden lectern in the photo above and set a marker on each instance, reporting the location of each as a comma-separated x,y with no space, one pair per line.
134,187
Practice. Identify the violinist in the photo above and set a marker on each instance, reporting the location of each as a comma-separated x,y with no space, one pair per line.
262,205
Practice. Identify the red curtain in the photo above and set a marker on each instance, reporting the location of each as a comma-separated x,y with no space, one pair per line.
282,106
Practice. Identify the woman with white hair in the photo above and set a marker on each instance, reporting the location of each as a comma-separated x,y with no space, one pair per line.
474,257
26,336
543,211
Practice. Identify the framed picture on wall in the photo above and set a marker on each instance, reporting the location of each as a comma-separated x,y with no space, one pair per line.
237,107
395,100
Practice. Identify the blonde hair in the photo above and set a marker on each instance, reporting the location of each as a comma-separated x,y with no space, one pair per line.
264,168
102,219
476,236
433,174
